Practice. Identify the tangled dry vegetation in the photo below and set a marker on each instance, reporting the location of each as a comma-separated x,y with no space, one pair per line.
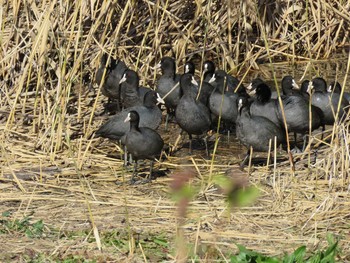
51,171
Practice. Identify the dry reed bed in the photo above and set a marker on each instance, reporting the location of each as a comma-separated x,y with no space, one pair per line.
292,210
49,55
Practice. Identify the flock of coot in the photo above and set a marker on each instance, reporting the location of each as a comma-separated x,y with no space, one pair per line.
259,117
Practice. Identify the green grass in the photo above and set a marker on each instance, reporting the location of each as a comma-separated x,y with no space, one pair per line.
300,255
154,246
21,226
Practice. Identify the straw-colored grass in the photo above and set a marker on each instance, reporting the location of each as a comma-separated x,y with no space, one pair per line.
49,56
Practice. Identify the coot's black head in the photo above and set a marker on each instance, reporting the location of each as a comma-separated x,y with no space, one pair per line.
262,93
130,77
167,66
334,87
289,85
189,68
208,66
152,98
242,102
220,75
254,83
218,80
307,87
304,86
133,117
319,84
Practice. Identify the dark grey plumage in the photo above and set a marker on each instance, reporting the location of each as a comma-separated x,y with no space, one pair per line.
335,87
327,102
131,93
114,73
142,142
263,105
191,114
222,102
255,131
150,116
204,89
167,81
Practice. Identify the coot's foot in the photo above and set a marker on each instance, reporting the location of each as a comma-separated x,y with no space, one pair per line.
295,150
132,181
145,181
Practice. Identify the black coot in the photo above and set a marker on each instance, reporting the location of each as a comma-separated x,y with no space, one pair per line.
131,93
296,107
255,131
114,73
167,82
326,101
263,105
289,86
191,114
231,83
319,84
254,83
222,102
335,87
204,89
142,142
296,112
151,116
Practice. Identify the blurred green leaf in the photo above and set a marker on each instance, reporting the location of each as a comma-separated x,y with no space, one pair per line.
243,197
6,213
297,256
187,191
161,242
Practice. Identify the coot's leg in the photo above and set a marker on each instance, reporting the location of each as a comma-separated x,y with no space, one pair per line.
323,129
305,138
295,149
134,173
322,135
245,160
130,158
205,139
167,118
315,159
150,173
149,178
190,137
125,156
